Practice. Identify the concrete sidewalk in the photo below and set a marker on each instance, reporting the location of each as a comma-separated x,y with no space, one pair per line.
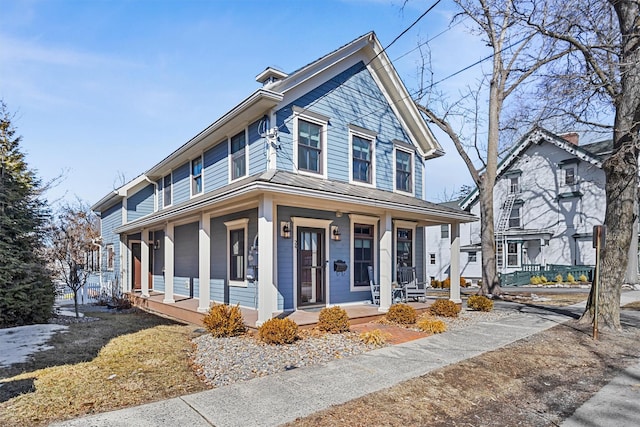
279,398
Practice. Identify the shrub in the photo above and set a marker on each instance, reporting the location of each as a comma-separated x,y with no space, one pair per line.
434,326
435,283
224,321
570,278
278,331
446,308
583,278
334,320
559,278
543,280
479,303
463,282
401,313
446,284
375,337
535,280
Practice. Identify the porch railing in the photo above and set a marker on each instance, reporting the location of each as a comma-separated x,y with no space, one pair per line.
550,271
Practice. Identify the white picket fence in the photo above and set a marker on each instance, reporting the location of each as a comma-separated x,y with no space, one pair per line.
88,293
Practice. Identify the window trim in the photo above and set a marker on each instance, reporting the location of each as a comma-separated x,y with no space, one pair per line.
371,137
397,148
516,253
365,220
432,258
318,120
193,177
444,227
572,168
519,217
238,224
246,155
111,260
410,226
164,199
511,186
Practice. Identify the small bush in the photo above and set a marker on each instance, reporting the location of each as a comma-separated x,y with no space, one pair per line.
559,278
479,303
543,280
278,331
403,314
435,284
434,326
375,337
535,280
446,284
463,282
224,321
446,308
570,278
334,320
583,278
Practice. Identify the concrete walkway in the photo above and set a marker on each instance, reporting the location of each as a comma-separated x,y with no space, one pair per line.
279,398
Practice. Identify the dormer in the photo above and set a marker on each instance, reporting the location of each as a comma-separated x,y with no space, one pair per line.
270,75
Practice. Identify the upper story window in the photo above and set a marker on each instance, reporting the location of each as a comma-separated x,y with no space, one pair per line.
514,217
473,257
404,179
363,156
444,231
166,191
196,176
309,147
432,259
238,150
514,185
570,176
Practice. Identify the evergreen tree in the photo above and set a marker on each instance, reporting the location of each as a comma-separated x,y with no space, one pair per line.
26,291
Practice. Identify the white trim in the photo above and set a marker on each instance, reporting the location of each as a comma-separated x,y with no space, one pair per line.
371,137
246,155
191,194
398,223
315,119
411,154
237,224
367,220
311,223
170,175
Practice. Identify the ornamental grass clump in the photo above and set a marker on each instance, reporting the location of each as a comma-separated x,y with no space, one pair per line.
333,320
559,278
403,314
479,303
583,278
445,308
278,331
570,278
431,325
375,337
224,321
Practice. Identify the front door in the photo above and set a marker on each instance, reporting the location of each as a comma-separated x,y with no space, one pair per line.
311,266
136,266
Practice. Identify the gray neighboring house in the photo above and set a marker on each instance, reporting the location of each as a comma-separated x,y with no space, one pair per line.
549,194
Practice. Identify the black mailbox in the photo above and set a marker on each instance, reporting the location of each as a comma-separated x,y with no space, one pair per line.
339,266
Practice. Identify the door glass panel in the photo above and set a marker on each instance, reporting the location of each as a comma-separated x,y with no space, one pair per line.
311,284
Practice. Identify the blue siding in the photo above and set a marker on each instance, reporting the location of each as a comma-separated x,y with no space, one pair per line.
219,287
158,283
216,166
418,176
185,258
257,149
110,219
181,179
351,97
141,203
160,194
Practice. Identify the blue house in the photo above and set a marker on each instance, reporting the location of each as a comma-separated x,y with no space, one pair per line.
283,202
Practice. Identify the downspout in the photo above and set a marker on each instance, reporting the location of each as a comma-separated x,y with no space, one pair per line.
155,193
94,242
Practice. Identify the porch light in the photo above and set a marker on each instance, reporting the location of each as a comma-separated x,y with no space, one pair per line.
156,245
285,229
335,233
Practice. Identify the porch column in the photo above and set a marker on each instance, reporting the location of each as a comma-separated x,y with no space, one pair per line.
454,271
204,261
168,264
144,262
266,248
386,261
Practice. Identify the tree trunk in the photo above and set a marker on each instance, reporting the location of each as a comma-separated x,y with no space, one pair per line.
75,301
621,171
490,282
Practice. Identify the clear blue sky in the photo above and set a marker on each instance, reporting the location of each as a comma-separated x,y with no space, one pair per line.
108,88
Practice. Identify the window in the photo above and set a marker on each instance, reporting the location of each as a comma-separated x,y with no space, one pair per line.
499,255
238,156
361,159
362,253
111,257
444,231
196,176
514,185
309,146
404,247
166,191
236,255
512,254
403,171
432,259
92,260
514,217
570,176
473,257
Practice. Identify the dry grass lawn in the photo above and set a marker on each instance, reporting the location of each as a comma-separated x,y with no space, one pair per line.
137,367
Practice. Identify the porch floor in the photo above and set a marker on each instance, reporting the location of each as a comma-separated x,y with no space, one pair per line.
185,309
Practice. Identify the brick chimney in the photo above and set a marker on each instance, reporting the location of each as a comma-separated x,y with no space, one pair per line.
571,137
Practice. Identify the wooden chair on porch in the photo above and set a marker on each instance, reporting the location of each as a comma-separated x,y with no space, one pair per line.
412,287
375,289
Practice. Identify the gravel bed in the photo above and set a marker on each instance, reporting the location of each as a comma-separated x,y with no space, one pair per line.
469,317
223,361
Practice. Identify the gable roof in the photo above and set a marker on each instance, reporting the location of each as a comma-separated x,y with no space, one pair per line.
594,153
